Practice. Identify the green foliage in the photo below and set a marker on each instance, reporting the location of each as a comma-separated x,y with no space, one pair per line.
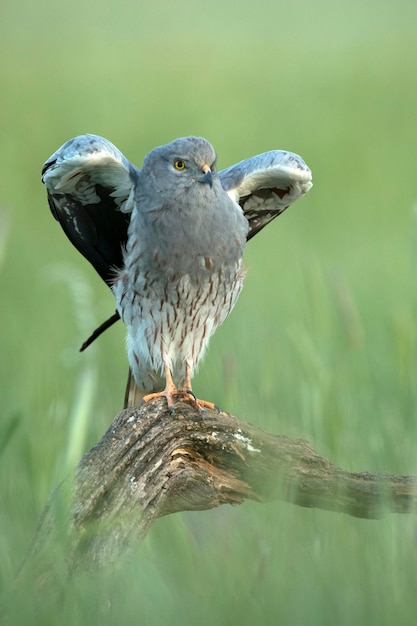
322,344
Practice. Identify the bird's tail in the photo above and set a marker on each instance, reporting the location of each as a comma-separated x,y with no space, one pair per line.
133,394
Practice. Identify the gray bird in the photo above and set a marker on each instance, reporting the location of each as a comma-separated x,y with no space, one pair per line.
169,240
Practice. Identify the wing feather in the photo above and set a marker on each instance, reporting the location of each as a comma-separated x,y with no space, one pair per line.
89,185
266,185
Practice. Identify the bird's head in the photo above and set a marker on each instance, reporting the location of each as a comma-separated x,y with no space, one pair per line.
180,164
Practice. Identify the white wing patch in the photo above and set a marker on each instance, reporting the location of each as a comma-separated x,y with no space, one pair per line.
266,185
79,174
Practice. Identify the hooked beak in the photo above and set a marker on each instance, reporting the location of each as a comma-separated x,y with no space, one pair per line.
207,175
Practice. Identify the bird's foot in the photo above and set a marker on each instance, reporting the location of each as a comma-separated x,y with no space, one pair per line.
199,405
184,393
181,395
169,394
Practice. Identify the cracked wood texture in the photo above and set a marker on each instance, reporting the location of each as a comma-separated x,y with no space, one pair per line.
151,463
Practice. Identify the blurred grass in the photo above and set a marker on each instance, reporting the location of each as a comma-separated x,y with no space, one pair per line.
322,344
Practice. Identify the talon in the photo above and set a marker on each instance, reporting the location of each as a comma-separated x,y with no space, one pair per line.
190,392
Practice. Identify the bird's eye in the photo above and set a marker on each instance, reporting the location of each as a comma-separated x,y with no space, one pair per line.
179,164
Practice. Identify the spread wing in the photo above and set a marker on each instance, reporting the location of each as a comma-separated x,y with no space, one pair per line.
89,184
266,185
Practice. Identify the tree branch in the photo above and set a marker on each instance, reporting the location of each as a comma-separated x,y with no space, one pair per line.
150,463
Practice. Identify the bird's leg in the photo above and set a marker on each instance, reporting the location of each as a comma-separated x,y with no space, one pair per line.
169,392
199,404
187,379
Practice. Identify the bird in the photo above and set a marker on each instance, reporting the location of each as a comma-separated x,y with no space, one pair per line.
168,239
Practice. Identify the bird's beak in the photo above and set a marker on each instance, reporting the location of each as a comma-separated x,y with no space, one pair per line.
207,175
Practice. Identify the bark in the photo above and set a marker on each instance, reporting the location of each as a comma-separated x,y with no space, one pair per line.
151,463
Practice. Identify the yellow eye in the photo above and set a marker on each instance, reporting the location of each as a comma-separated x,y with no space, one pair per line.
179,164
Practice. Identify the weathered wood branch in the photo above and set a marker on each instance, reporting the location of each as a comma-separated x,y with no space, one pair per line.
150,464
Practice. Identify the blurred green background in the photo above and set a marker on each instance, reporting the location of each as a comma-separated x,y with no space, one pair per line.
322,344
